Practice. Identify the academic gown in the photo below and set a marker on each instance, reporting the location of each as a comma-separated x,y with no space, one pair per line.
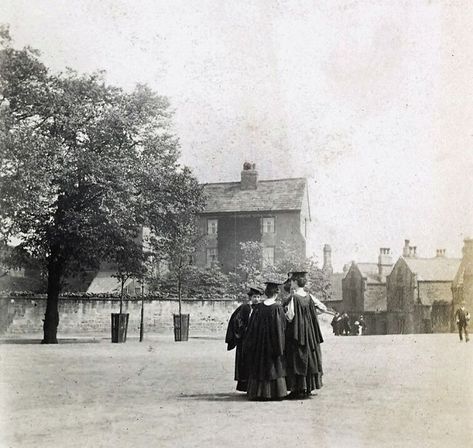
236,331
303,354
264,352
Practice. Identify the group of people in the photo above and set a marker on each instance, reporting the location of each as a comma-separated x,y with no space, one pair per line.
341,325
277,341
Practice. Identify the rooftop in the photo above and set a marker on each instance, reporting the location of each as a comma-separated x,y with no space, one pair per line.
371,273
270,195
434,269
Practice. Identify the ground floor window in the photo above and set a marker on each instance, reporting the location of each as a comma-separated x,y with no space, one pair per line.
212,256
268,256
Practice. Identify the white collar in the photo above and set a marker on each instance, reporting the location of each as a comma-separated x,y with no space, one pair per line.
269,301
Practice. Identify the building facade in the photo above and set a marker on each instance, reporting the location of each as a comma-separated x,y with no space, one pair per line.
271,212
419,295
364,292
462,286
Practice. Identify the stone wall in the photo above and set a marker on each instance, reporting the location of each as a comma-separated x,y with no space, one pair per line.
21,315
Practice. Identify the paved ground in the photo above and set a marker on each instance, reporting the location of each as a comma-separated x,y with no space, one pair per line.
380,391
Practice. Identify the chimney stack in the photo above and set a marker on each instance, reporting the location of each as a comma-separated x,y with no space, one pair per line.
385,261
249,177
327,267
405,249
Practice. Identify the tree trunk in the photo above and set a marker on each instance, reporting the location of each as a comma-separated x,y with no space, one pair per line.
121,294
51,317
179,292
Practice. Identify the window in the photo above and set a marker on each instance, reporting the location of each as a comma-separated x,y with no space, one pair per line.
268,225
212,256
212,226
268,256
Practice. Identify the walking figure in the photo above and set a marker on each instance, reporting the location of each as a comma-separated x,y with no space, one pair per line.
462,317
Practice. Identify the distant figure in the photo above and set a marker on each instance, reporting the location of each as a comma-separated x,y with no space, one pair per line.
462,316
345,324
336,324
236,332
362,325
356,328
263,347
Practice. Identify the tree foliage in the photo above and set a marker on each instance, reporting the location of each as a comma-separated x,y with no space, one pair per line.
251,269
84,165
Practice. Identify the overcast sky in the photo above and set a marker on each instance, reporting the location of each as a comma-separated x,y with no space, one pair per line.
371,100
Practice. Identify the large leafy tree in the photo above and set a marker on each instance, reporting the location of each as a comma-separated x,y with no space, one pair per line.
83,166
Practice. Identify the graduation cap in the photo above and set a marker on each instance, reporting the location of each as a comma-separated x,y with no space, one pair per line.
274,281
255,289
297,274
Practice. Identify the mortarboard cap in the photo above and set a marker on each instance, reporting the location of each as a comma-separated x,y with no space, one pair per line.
274,280
255,289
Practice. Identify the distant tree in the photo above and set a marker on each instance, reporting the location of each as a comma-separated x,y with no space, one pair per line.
178,250
83,165
251,269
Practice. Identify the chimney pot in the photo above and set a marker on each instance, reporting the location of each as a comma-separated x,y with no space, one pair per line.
249,177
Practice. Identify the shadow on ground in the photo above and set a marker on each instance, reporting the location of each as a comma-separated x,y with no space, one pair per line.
214,397
38,341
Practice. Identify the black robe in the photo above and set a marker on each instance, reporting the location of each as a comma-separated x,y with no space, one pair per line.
303,354
264,352
236,332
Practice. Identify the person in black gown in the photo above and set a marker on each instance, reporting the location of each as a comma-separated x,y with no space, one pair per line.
236,331
264,347
303,339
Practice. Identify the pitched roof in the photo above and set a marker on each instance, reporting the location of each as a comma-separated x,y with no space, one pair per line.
279,194
371,273
105,281
367,268
434,269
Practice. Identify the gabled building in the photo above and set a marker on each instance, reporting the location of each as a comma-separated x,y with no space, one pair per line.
462,286
364,292
419,296
267,211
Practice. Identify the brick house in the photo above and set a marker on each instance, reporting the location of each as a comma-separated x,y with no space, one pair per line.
462,285
419,295
364,292
267,211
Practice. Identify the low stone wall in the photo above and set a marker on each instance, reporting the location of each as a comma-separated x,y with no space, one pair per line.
21,315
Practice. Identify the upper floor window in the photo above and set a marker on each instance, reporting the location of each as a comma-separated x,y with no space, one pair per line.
212,226
268,256
268,225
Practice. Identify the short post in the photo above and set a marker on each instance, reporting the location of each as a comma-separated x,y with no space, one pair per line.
142,310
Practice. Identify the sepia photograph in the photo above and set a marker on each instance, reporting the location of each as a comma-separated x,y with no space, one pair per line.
236,223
